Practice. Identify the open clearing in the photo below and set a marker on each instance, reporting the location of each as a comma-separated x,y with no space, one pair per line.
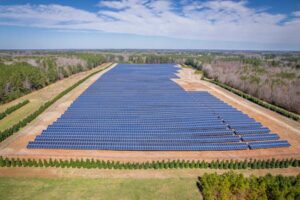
80,188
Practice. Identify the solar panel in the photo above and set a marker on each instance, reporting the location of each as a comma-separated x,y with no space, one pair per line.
137,107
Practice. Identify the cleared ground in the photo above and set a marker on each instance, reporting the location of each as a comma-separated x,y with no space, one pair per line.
286,128
80,188
35,172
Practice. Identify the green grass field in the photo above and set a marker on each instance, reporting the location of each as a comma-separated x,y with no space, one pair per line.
80,188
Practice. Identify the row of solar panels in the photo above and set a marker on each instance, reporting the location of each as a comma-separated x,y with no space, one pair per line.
151,134
155,130
230,138
175,147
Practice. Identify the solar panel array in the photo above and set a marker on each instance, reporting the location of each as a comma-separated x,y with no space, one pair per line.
138,107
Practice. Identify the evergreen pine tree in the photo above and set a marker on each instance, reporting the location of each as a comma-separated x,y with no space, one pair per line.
197,165
19,162
51,163
277,164
263,164
30,163
281,164
201,164
245,164
40,163
206,164
259,164
46,163
147,165
2,162
193,164
212,165
221,165
250,163
186,163
268,164
226,165
24,162
13,162
156,165
231,165
236,164
7,162
286,163
218,164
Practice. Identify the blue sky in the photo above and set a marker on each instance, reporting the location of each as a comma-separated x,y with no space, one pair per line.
167,24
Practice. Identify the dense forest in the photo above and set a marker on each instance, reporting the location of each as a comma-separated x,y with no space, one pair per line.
270,76
20,75
279,84
235,186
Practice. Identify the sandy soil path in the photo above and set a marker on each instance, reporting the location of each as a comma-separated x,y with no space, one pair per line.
136,174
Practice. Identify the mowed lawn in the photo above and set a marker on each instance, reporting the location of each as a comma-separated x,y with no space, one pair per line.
81,188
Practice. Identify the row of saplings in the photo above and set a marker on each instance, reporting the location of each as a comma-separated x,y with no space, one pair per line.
174,164
13,108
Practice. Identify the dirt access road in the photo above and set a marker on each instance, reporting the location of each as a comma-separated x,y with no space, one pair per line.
134,174
15,146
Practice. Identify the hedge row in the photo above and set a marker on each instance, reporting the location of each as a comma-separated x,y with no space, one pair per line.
10,131
277,109
175,164
13,108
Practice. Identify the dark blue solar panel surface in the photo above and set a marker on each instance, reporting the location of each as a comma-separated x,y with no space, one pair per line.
139,108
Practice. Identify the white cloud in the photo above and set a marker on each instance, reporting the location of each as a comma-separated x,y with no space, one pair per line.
297,13
113,4
211,20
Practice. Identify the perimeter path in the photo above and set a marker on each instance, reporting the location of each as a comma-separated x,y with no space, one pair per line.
134,174
15,146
